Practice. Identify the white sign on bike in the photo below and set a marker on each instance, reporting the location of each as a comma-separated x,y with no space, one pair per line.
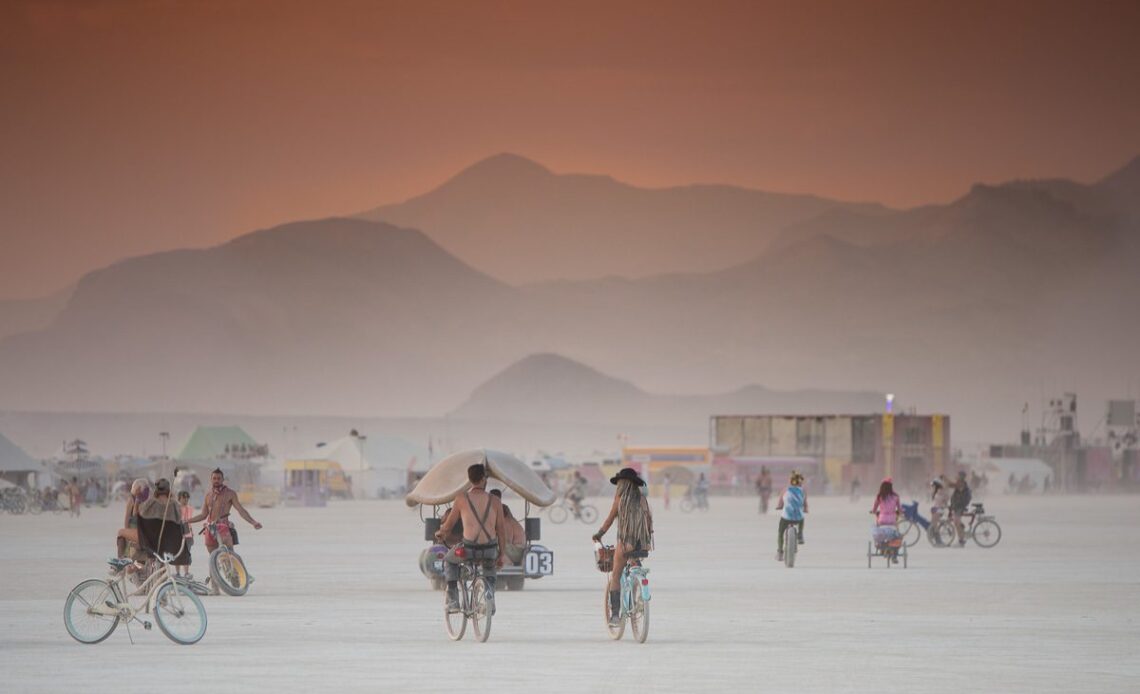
539,563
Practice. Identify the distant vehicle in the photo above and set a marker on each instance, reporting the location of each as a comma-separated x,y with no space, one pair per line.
324,476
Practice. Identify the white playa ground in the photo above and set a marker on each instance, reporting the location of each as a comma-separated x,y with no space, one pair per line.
339,604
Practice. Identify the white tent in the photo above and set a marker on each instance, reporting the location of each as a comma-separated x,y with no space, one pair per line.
374,462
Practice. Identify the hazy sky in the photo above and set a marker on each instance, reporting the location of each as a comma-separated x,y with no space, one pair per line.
131,127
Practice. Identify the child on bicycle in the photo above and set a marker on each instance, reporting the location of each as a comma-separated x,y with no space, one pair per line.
793,505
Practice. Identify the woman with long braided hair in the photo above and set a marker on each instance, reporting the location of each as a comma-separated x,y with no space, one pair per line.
634,532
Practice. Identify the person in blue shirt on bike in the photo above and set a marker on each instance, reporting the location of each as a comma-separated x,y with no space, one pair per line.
635,529
793,505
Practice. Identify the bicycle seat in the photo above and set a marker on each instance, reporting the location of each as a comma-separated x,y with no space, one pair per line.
118,564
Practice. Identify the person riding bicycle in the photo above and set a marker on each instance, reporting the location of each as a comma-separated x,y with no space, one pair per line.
220,500
576,494
160,527
701,492
887,508
959,504
634,532
484,534
794,504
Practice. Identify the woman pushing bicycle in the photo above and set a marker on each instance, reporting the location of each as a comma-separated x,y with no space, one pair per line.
634,532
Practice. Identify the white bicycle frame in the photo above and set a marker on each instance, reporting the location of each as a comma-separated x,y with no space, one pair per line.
150,587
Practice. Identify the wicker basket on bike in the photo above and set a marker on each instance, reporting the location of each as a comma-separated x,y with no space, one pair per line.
604,558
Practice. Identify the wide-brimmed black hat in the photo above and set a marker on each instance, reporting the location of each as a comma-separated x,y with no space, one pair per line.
628,473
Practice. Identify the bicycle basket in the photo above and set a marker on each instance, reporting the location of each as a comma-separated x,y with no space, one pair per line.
604,558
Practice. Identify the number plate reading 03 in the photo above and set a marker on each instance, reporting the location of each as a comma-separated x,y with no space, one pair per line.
539,563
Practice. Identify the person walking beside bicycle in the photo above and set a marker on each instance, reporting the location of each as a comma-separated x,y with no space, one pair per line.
793,504
634,533
576,494
484,534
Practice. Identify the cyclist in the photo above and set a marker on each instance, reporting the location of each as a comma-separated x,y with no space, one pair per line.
887,508
484,534
794,504
160,525
634,533
220,500
939,502
959,504
576,493
701,493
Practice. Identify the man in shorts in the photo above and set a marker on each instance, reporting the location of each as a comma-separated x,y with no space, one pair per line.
220,499
484,534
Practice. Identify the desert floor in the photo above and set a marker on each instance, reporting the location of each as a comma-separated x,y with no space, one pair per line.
339,604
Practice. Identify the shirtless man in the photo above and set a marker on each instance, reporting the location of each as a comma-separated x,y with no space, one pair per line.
484,534
216,511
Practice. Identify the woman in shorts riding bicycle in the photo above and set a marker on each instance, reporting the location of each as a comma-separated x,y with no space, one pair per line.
793,504
635,529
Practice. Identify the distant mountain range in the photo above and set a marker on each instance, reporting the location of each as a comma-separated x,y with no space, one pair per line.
516,220
972,308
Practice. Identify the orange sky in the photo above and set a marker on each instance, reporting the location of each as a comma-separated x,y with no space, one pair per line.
131,127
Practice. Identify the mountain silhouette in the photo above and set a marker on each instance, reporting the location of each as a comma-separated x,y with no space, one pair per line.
548,388
518,221
969,308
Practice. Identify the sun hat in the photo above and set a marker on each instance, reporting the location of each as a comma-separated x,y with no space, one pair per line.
628,473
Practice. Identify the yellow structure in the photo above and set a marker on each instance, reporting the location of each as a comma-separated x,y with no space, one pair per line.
681,463
318,474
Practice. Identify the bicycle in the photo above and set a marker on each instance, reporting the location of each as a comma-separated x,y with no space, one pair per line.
914,525
13,500
691,500
563,509
476,600
227,569
96,606
791,544
634,589
984,530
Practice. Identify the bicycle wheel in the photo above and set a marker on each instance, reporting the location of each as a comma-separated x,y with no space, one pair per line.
910,533
686,505
482,608
589,514
639,616
35,507
791,544
943,535
456,620
616,630
180,614
559,514
228,571
987,533
79,616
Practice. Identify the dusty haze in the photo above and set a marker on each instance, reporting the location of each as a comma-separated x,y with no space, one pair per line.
132,127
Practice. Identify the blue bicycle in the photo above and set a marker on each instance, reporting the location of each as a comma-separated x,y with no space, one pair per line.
634,593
